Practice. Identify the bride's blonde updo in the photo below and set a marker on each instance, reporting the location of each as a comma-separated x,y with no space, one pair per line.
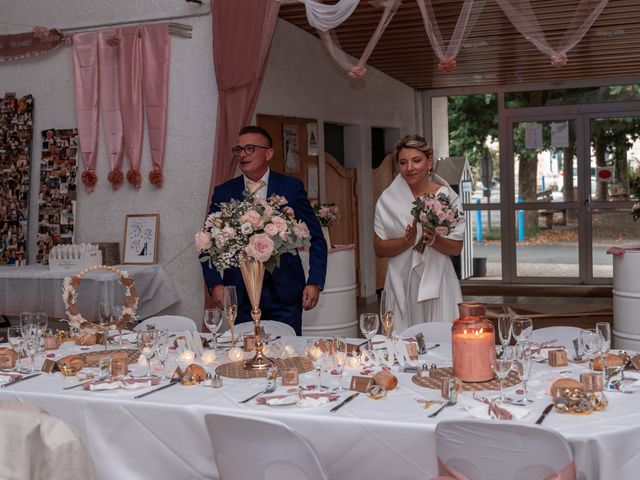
414,141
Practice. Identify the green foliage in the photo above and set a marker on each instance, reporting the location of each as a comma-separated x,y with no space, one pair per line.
472,119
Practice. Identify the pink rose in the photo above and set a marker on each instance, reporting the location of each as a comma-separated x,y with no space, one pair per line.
251,217
203,241
229,232
260,247
300,230
289,212
271,230
280,223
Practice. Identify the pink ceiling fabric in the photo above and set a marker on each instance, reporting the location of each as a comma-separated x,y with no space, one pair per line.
85,62
239,56
523,17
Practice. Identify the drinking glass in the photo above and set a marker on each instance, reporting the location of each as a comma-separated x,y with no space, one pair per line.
104,318
26,322
522,328
146,344
590,343
317,351
117,311
14,335
604,330
502,366
339,351
504,328
213,321
231,309
369,324
386,313
522,366
40,321
162,348
31,342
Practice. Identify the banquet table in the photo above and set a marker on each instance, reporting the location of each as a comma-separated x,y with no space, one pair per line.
164,435
36,288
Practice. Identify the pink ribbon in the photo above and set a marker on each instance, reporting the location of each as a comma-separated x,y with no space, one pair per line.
445,472
558,59
447,65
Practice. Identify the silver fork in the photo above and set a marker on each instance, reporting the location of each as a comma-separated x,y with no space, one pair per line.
269,389
453,399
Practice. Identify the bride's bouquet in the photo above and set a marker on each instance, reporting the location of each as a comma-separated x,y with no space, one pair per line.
435,212
253,228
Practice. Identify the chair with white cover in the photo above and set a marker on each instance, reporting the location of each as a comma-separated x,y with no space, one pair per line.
260,448
491,450
270,327
35,445
434,332
564,336
173,323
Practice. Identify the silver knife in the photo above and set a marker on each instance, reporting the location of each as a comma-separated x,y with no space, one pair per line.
344,402
81,383
13,382
546,410
170,384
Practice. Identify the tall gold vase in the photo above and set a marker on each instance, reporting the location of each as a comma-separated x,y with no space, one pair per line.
253,274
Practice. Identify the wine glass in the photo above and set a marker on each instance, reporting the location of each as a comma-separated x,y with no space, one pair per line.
591,344
162,348
40,321
522,329
231,309
386,313
502,366
16,340
26,322
317,351
213,321
117,311
104,318
339,351
146,344
604,330
31,342
504,328
369,323
522,366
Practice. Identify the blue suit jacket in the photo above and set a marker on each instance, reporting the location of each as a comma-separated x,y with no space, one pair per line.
282,290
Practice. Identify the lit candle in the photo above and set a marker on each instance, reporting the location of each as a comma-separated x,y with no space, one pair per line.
353,362
142,360
186,358
209,357
473,354
235,354
290,350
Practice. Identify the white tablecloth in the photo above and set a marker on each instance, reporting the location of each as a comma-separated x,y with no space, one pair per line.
35,288
164,436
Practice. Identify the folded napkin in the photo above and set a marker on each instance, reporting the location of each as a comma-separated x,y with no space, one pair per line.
123,383
307,400
481,410
9,376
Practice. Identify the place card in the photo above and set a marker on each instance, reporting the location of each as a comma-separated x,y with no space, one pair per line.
412,350
105,366
249,343
591,381
51,342
7,358
635,362
119,367
290,377
360,383
422,346
101,338
558,358
49,366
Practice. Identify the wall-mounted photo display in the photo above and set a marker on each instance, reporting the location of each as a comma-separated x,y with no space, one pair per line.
57,197
291,146
16,134
141,239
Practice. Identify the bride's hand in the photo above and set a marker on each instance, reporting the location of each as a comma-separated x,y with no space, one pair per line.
410,234
429,236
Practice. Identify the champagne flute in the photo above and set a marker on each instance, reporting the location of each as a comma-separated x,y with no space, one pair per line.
213,321
117,311
604,330
317,351
104,318
146,344
231,309
522,329
162,348
30,344
386,313
502,366
339,358
504,328
40,320
369,324
14,335
522,366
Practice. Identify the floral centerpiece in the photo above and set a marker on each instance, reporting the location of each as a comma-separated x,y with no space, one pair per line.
435,212
635,211
327,213
251,234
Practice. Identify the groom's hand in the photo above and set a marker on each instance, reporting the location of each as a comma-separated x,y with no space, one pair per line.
218,296
310,296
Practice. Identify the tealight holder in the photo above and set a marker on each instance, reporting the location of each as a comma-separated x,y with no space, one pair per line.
235,354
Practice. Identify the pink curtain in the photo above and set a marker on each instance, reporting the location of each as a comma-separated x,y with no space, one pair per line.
110,103
522,16
85,62
155,55
466,20
239,55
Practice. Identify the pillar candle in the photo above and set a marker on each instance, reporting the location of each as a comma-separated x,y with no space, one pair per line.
473,353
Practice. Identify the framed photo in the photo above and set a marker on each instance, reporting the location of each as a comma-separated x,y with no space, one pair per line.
141,239
291,152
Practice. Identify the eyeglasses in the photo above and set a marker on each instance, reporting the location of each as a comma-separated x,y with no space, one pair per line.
248,149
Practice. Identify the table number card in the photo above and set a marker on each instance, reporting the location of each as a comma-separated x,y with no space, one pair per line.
360,383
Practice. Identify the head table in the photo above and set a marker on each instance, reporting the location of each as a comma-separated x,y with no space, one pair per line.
164,435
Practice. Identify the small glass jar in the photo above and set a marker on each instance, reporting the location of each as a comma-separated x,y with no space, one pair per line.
473,344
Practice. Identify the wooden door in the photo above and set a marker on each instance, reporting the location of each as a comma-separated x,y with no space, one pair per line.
382,178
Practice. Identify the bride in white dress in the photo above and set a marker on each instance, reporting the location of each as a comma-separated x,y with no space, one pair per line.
420,287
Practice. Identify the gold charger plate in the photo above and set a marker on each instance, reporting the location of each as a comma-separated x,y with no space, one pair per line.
437,374
237,370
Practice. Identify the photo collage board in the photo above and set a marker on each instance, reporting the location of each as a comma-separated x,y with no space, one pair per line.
57,196
16,135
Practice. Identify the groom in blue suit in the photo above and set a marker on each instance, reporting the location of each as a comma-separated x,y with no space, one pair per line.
285,292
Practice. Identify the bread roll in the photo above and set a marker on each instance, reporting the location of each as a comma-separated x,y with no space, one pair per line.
613,360
386,379
562,383
197,372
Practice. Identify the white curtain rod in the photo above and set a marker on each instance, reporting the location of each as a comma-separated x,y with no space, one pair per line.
128,22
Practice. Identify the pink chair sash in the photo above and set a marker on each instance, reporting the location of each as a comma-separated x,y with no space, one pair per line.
85,61
110,102
130,93
155,79
445,472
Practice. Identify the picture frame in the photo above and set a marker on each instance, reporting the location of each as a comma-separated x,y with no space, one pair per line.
141,239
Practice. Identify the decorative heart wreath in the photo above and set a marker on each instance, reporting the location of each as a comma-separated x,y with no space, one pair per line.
69,295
